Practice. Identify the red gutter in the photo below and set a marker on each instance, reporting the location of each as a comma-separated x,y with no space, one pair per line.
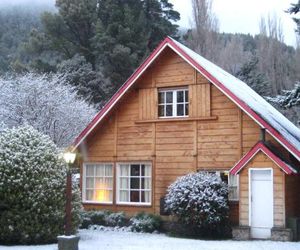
260,147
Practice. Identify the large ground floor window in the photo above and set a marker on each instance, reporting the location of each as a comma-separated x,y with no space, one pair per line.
134,183
98,183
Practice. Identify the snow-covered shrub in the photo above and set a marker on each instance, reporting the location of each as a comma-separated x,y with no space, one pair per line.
102,218
199,201
32,188
147,223
93,217
98,217
115,219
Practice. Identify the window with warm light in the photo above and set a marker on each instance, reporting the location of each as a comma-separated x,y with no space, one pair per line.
98,183
134,183
173,102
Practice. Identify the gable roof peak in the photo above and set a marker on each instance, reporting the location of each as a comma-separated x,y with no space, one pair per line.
266,116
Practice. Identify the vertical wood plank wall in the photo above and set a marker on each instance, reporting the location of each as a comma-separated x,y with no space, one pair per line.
175,148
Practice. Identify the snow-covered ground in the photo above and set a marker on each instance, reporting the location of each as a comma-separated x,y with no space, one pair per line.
117,240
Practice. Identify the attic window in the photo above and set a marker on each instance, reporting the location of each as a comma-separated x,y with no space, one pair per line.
173,102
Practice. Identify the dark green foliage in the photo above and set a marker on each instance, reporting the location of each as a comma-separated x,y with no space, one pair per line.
32,189
90,84
16,24
113,37
143,222
249,74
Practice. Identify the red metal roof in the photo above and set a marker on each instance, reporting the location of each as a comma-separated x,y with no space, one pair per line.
260,147
168,42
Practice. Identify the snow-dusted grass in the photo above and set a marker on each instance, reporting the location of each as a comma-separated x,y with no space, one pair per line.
107,239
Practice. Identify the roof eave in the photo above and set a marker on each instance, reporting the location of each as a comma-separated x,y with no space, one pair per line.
260,147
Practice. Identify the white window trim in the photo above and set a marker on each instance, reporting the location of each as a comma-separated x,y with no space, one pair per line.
84,183
218,172
118,202
174,103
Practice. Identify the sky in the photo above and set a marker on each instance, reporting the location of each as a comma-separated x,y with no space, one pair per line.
235,16
242,16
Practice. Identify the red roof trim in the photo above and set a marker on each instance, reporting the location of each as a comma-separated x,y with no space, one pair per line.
257,148
119,93
210,77
239,102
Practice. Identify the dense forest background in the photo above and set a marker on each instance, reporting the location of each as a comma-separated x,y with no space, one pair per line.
92,47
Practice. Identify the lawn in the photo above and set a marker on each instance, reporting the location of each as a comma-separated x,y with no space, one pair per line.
116,240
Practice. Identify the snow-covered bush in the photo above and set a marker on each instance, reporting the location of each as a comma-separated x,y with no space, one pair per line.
115,219
98,217
47,103
199,201
32,188
102,218
147,223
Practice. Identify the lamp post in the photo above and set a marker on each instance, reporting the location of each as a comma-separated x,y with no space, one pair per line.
68,241
69,158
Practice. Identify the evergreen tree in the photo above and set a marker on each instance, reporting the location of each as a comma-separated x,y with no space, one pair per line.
288,98
249,74
112,35
294,9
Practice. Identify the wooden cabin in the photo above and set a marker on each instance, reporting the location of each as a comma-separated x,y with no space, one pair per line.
179,113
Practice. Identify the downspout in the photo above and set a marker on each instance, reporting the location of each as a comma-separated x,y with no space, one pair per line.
263,135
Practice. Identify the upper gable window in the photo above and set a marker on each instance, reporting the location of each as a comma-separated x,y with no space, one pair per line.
173,102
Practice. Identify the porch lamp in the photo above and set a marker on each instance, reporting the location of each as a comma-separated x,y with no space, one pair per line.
68,241
69,158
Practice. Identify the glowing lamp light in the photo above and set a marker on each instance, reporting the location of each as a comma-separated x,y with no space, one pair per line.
69,157
101,194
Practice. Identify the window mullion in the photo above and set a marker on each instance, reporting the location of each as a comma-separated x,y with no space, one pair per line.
165,104
140,186
174,103
129,187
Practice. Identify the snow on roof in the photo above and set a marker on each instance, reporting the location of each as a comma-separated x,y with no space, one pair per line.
284,131
257,103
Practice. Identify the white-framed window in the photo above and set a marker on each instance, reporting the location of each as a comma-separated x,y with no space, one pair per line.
173,102
134,183
98,183
232,182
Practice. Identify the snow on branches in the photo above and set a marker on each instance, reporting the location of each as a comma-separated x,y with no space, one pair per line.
199,200
47,103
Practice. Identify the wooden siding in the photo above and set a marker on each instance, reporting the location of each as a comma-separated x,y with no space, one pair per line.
133,132
292,198
262,161
218,141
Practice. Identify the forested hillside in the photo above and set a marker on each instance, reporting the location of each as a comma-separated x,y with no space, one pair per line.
93,46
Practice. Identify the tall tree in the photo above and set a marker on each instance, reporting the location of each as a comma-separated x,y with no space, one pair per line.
112,35
273,57
203,36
